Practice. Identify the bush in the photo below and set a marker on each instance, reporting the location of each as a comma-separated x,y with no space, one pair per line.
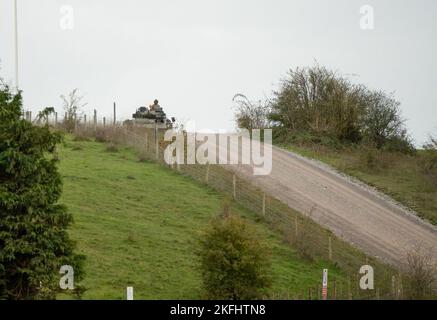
34,242
72,105
234,262
382,122
250,115
321,102
306,139
400,143
428,161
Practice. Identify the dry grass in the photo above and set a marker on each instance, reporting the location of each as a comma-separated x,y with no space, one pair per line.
422,272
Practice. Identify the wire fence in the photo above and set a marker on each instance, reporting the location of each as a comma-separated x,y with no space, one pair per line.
309,239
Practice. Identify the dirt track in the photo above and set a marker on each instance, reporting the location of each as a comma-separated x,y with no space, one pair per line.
354,212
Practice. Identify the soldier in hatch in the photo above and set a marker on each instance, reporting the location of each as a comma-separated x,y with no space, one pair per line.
155,106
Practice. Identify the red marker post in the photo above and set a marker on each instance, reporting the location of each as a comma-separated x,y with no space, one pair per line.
325,284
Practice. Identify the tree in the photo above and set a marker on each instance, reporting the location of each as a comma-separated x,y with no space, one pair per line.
234,261
431,144
382,119
73,109
34,242
320,101
43,116
250,115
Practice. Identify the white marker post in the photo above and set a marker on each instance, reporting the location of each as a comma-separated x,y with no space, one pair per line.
325,284
130,293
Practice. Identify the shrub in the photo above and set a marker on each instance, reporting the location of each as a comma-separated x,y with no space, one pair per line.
400,143
250,115
234,261
34,242
72,105
324,103
428,161
319,101
382,122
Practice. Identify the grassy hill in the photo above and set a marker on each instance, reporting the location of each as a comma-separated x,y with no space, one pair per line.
138,224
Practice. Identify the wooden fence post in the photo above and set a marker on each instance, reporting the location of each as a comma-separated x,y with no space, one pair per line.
330,248
264,204
178,160
295,225
56,119
207,174
115,114
104,122
334,289
357,284
393,287
156,143
84,119
95,119
400,287
234,184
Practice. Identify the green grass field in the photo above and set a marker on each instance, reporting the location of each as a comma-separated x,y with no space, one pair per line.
138,225
399,175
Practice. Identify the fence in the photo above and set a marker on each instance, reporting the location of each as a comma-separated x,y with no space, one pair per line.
309,239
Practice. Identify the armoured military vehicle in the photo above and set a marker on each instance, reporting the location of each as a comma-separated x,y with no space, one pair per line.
153,116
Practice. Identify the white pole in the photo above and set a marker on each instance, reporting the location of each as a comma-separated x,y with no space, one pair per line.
325,284
16,44
130,293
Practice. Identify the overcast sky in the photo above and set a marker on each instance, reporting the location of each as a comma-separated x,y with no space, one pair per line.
195,55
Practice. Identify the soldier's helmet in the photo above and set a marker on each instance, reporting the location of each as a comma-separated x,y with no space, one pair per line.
155,102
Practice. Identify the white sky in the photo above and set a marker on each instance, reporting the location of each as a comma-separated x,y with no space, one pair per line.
195,55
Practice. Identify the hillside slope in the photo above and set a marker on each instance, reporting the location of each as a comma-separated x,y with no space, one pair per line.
137,223
354,212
